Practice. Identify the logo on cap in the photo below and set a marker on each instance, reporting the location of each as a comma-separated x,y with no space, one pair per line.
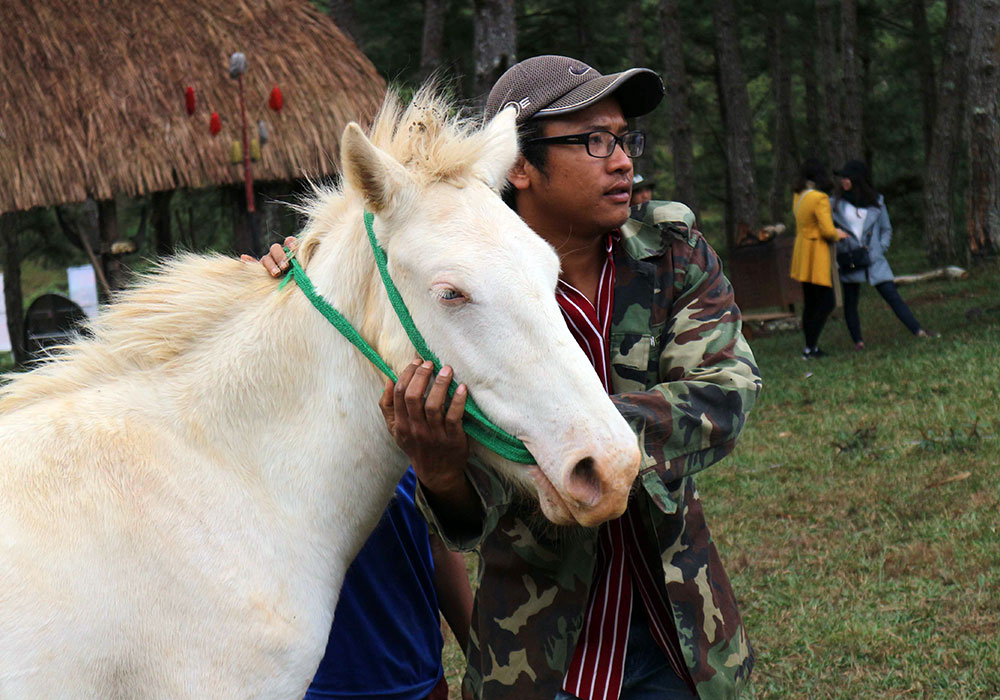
579,70
518,106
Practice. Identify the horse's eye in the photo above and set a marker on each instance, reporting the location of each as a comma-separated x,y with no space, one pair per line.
450,295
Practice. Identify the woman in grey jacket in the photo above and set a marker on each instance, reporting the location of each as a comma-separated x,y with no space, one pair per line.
860,210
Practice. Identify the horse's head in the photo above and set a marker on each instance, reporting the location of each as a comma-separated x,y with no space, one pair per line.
480,286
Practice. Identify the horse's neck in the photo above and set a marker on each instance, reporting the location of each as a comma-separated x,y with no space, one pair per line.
344,271
303,412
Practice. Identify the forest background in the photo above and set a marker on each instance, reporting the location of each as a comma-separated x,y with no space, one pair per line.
909,86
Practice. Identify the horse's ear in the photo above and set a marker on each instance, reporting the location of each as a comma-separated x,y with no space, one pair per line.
499,149
377,176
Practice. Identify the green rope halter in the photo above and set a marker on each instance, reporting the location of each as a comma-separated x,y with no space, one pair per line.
475,423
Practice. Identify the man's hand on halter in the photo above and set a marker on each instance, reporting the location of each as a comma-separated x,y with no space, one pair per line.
432,437
430,434
275,261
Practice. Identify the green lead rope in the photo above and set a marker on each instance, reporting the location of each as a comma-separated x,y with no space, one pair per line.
475,422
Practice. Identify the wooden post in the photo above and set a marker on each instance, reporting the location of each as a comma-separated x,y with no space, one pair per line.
248,174
161,223
107,223
13,298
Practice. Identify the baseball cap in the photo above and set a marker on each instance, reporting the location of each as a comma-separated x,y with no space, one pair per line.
853,169
547,86
638,182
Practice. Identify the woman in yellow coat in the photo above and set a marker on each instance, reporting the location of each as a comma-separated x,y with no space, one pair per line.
815,235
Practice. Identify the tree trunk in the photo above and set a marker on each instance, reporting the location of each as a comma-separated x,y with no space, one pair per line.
494,38
676,82
983,211
817,143
852,100
939,175
736,121
637,57
785,151
433,37
345,18
925,66
636,41
722,144
12,296
584,32
831,121
161,223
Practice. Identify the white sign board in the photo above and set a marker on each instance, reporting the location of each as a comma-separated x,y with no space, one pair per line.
4,337
83,288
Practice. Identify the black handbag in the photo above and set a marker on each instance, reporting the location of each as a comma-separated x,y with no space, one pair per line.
853,259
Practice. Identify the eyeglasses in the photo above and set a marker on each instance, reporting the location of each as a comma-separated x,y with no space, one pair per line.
601,144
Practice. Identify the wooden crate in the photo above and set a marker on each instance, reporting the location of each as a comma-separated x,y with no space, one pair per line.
759,274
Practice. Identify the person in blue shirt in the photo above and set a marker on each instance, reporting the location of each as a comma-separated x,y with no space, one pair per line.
385,643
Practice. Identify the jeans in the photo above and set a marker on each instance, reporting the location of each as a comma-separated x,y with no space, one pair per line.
817,303
852,291
648,675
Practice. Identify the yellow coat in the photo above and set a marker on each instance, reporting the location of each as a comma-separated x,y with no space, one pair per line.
814,234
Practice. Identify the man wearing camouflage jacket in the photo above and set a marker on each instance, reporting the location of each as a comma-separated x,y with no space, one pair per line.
681,374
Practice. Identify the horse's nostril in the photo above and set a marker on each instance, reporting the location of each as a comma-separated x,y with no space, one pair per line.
584,483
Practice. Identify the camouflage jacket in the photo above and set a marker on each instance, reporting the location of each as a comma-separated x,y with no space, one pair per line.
685,379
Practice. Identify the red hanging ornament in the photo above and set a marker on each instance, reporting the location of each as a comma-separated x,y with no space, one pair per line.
214,124
189,99
276,101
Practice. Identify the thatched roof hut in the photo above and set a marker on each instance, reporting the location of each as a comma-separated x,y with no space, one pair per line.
93,94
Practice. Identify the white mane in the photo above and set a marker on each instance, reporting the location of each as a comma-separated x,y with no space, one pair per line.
429,137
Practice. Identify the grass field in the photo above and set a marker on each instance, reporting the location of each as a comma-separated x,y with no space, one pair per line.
859,517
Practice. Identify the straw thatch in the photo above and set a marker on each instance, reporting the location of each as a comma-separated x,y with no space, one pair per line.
92,93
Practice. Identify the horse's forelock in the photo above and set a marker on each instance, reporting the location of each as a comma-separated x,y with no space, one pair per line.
429,136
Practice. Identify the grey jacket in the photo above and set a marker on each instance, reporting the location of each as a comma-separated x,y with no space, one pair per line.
876,234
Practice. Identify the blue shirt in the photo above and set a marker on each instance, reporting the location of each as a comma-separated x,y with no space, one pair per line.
386,641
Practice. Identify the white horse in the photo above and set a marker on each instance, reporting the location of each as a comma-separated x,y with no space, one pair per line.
181,494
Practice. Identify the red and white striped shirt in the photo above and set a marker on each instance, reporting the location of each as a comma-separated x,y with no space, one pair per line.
595,672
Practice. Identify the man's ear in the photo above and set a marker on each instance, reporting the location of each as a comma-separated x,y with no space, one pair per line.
519,174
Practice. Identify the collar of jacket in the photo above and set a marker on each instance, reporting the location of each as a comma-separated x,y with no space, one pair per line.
872,216
643,233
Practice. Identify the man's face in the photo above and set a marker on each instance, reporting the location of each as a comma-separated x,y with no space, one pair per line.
590,194
641,196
